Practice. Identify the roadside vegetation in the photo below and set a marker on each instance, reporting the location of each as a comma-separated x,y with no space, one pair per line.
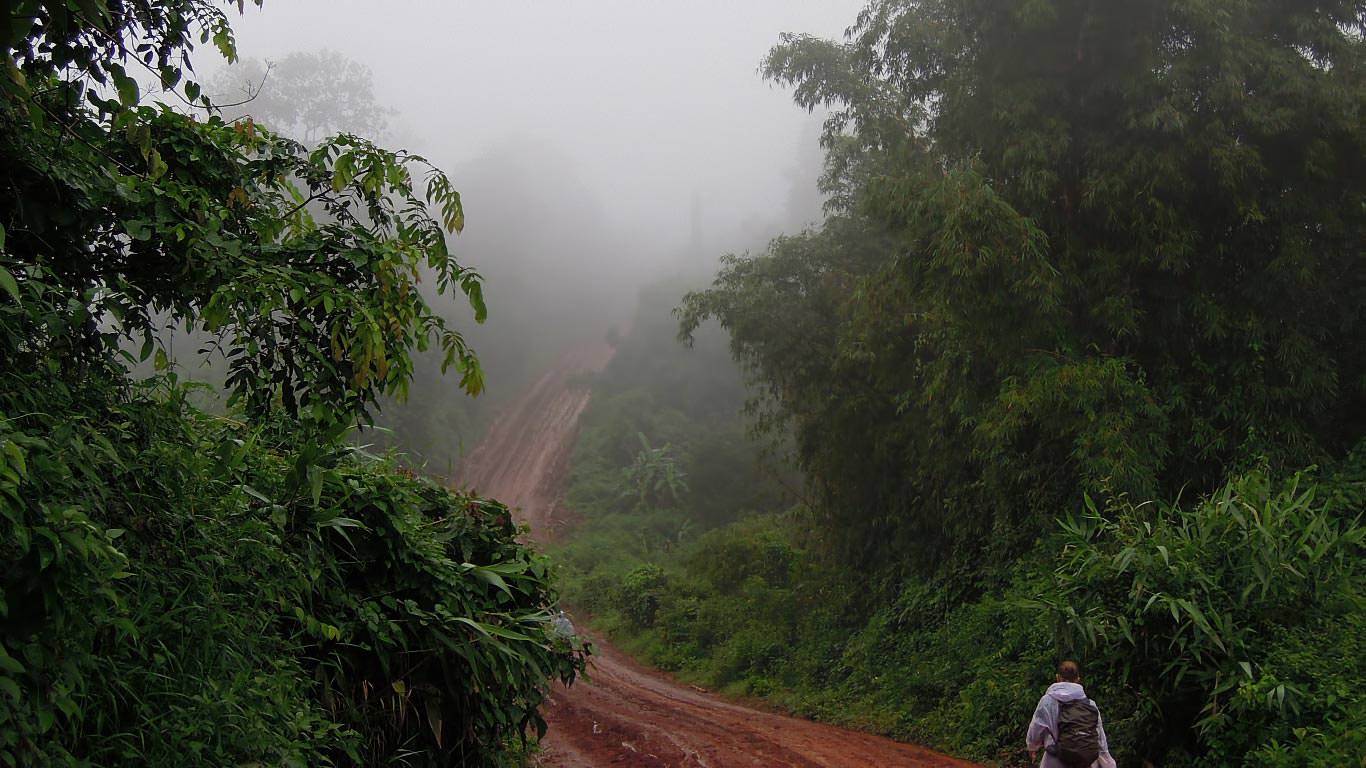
247,587
1073,368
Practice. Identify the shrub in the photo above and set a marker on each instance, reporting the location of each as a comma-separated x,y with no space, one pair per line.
179,587
726,557
1199,612
639,594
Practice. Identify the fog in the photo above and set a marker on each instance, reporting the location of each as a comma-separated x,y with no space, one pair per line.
646,103
598,146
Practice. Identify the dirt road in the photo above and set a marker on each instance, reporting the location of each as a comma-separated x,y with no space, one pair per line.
628,715
524,460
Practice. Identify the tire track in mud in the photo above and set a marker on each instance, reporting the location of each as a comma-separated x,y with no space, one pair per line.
625,714
523,461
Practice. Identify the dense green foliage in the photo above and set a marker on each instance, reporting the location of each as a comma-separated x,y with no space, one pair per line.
181,586
1226,634
661,456
1085,314
1241,614
661,428
245,589
1118,250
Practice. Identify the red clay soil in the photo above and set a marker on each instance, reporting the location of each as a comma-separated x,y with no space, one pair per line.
625,714
524,460
628,715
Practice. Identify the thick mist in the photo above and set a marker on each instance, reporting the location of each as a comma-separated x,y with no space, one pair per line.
598,147
646,103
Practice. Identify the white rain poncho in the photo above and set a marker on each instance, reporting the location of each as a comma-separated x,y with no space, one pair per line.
561,626
1044,727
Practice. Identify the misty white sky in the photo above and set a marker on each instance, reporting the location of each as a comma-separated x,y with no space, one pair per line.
648,101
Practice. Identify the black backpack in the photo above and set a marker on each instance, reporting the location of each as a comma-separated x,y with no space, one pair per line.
1078,741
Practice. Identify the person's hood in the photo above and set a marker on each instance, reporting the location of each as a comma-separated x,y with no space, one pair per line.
1061,692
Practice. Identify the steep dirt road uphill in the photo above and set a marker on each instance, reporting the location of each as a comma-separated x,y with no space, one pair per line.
627,715
524,459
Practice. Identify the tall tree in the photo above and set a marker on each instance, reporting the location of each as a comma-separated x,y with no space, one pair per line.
179,589
1126,256
113,210
307,94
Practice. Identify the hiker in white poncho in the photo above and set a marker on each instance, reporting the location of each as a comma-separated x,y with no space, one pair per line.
1066,726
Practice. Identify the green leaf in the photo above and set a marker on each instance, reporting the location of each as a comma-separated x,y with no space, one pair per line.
342,523
10,285
137,229
126,86
94,12
491,578
343,171
191,90
140,136
9,664
156,167
170,76
255,494
222,39
492,629
475,292
17,76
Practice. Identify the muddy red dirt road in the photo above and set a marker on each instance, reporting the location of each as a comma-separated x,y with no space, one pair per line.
628,715
524,459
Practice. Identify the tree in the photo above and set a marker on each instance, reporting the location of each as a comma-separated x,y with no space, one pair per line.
246,590
654,478
113,210
307,94
1126,254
